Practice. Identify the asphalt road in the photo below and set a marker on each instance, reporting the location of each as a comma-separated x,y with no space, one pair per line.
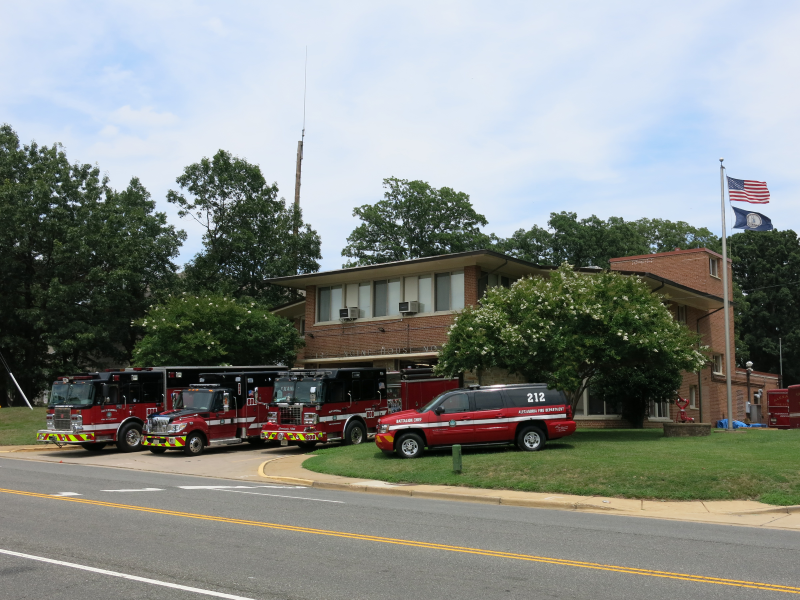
181,537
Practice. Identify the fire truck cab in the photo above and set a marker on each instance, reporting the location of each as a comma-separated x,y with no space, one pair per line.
221,410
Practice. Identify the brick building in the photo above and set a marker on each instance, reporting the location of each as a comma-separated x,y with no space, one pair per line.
373,331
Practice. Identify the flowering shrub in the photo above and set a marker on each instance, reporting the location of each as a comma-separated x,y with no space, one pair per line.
211,330
566,329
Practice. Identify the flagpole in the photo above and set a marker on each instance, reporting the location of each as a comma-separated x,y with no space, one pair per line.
725,299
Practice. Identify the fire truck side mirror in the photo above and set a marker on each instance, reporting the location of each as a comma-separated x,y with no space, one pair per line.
106,391
439,410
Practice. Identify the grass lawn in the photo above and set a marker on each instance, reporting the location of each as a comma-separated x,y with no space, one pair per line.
18,426
757,464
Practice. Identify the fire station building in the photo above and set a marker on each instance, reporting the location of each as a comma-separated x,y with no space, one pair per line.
395,315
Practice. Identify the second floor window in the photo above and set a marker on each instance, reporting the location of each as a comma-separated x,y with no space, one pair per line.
713,267
717,364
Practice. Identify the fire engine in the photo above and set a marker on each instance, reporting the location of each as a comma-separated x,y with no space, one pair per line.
527,414
96,409
343,405
784,407
221,410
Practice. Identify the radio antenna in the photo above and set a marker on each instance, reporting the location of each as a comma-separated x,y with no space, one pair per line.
300,143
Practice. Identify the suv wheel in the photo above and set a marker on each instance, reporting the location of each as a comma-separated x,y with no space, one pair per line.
130,438
355,433
530,439
410,445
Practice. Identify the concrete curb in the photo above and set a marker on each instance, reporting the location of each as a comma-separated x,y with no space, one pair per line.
381,488
47,448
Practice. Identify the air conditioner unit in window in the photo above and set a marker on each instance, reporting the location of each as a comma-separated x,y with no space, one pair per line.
409,308
348,314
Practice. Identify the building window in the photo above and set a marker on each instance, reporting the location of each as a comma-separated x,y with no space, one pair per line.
713,267
364,309
381,298
449,291
493,280
717,364
680,314
590,405
692,396
329,303
425,293
659,410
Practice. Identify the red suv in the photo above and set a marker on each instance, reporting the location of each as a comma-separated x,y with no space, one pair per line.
527,414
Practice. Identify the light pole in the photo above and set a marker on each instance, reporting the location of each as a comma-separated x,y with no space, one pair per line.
749,365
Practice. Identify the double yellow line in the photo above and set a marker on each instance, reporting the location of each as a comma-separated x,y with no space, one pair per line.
431,546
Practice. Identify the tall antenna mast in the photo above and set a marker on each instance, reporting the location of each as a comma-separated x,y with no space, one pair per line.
300,143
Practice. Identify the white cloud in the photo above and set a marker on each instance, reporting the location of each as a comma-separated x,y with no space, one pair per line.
613,108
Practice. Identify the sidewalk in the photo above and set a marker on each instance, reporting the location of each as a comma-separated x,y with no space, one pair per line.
289,469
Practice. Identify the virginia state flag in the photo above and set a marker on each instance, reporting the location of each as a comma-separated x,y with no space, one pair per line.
752,221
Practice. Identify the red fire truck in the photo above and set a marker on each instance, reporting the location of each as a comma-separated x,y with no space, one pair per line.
96,409
784,407
343,405
221,410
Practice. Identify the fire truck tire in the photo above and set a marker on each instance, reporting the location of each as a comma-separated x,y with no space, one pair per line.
157,450
531,439
410,445
307,445
129,438
194,444
256,441
94,446
355,433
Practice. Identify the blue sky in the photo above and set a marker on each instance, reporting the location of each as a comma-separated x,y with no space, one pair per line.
614,108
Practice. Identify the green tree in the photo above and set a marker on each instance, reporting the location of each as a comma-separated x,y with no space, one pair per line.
766,267
567,329
78,261
248,231
593,242
212,329
414,220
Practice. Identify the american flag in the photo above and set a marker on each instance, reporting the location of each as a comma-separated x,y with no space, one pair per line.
745,190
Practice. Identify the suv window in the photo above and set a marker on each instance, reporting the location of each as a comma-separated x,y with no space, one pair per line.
531,396
488,400
455,403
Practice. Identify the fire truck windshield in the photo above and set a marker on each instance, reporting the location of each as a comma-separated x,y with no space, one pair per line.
78,393
296,391
198,399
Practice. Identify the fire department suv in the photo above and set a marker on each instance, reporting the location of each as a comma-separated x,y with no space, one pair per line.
525,414
95,409
222,409
343,405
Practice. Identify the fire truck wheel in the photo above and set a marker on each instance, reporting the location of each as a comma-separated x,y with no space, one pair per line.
410,445
307,445
355,433
94,447
530,439
256,441
194,444
157,450
130,438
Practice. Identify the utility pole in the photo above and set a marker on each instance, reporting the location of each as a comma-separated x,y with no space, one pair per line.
300,145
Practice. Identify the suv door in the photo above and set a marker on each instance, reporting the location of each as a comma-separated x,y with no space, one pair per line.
491,424
454,425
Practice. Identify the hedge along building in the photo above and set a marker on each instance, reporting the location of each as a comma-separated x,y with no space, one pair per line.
397,314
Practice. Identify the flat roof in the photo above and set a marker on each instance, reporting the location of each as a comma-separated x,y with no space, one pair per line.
488,260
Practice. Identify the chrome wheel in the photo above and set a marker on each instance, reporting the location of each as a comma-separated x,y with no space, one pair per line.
532,440
409,447
195,445
133,437
356,435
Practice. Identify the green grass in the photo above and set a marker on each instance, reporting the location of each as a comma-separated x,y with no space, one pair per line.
757,464
18,426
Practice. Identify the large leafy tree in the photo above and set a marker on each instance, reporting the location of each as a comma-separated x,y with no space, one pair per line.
569,328
414,220
78,261
211,329
766,267
249,233
592,241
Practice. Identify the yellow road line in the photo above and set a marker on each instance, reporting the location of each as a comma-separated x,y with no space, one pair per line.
428,545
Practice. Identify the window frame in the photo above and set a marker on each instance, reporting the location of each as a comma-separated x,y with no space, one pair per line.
718,358
713,267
